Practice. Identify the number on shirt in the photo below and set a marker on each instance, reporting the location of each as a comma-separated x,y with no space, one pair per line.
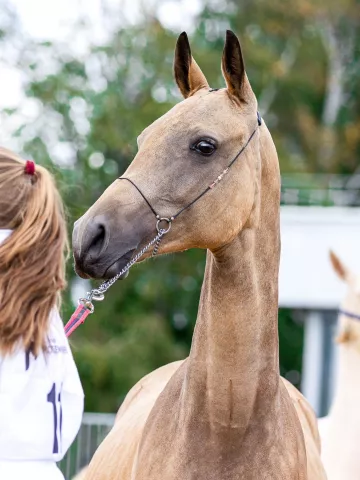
54,399
27,359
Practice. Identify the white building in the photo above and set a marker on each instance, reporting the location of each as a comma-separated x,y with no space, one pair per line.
308,282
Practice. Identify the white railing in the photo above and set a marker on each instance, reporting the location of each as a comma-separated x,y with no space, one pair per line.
320,189
94,428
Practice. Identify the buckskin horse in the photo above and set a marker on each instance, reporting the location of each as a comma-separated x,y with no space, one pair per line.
207,173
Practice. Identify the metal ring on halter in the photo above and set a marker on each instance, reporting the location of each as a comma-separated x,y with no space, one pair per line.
96,295
87,303
163,219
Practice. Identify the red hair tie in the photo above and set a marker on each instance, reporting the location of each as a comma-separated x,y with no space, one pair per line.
29,167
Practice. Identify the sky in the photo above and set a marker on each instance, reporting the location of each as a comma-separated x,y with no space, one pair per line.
51,19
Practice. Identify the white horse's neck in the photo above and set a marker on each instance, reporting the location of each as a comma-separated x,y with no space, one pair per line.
340,431
346,404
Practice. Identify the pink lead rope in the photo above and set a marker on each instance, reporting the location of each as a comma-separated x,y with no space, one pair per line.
77,318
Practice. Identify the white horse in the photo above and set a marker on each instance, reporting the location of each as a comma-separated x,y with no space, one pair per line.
340,430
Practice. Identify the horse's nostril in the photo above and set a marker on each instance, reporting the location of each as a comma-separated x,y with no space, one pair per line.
99,238
95,239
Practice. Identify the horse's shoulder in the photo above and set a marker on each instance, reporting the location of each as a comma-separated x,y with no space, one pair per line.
305,412
149,387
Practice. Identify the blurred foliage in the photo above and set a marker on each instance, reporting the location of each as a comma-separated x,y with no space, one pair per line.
83,113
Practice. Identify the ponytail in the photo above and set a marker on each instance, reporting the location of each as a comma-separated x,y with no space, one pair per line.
32,259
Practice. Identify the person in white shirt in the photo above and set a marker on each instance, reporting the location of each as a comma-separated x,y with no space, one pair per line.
41,397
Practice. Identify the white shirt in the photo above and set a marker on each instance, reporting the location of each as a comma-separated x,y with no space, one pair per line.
41,400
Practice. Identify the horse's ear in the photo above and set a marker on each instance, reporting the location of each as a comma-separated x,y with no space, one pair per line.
341,270
188,74
233,67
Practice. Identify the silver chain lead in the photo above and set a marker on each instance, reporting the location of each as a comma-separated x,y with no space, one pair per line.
157,245
98,293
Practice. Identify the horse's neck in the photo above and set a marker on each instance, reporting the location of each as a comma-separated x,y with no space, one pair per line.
233,372
347,393
340,431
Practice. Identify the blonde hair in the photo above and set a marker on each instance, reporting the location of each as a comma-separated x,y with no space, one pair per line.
32,259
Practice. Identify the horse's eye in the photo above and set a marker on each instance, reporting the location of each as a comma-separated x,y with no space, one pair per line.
204,147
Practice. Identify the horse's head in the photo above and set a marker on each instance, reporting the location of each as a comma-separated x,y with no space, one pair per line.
350,306
179,156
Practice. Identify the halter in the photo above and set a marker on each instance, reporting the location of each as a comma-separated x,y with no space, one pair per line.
169,220
355,316
86,306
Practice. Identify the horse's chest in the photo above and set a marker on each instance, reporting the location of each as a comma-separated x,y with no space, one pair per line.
175,446
207,465
197,455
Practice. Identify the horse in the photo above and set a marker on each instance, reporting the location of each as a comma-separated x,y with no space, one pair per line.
207,176
340,430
